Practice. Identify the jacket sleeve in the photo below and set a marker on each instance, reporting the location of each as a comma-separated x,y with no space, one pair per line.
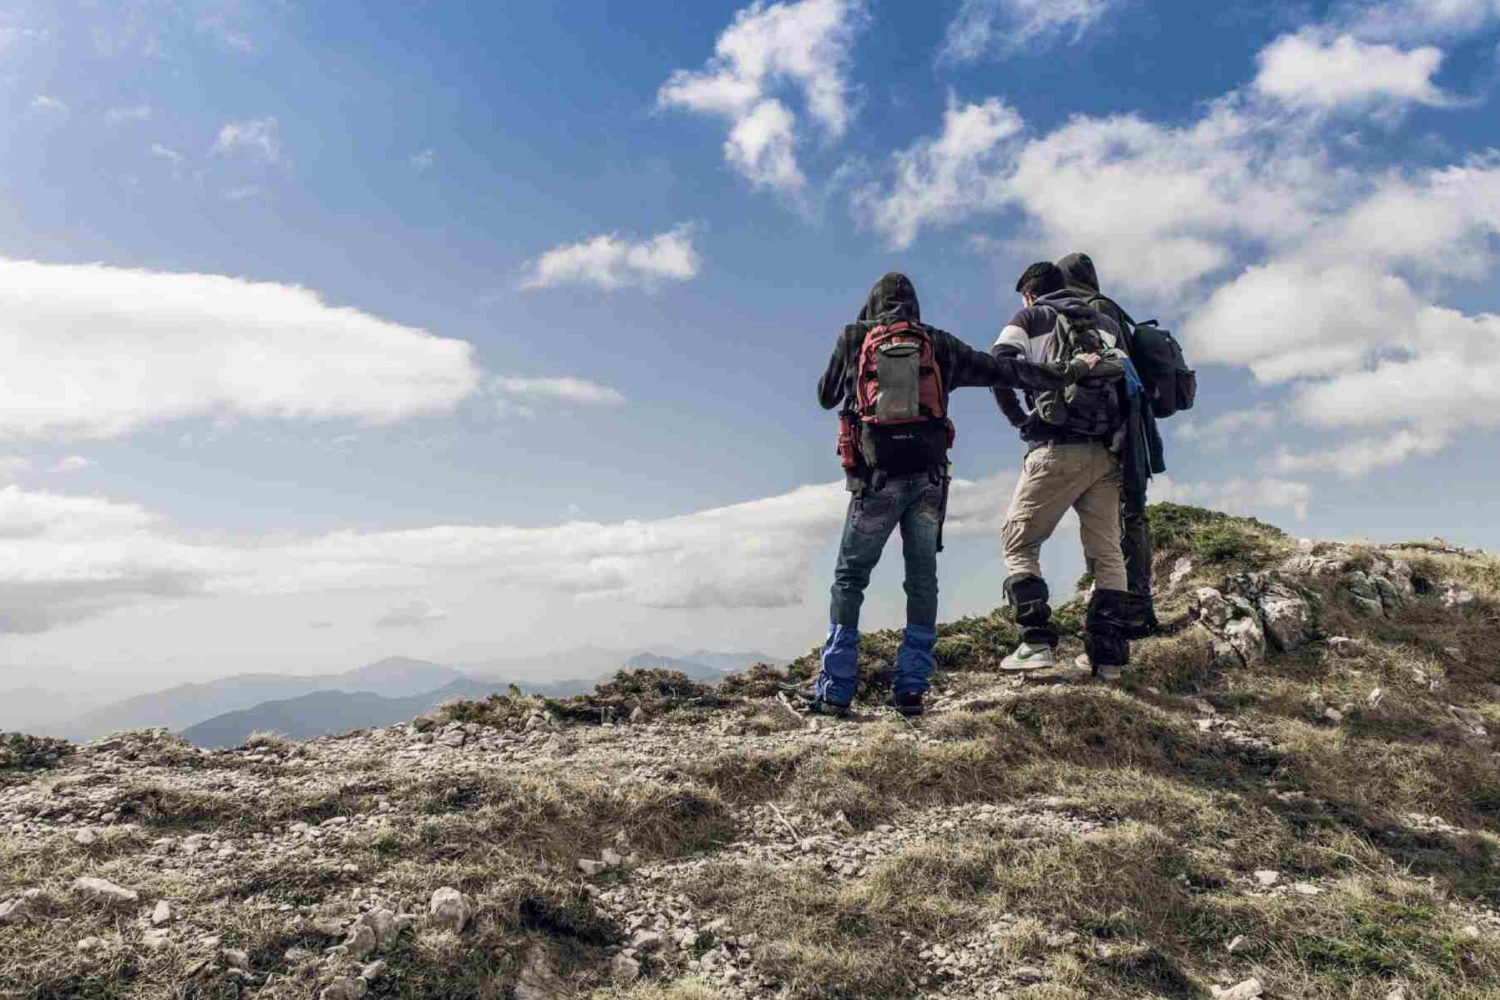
834,384
968,367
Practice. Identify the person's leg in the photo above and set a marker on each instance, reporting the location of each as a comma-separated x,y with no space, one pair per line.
919,533
1108,621
1043,494
871,517
1135,541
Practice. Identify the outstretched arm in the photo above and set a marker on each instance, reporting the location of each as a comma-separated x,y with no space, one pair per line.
969,367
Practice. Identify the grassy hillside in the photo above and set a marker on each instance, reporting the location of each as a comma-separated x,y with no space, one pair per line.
1295,794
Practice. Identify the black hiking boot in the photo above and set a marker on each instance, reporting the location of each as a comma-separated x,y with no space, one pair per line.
1145,626
908,704
820,707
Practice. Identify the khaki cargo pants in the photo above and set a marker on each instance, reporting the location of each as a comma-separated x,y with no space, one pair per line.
1054,478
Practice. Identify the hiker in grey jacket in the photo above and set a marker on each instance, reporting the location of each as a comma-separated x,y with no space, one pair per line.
1073,463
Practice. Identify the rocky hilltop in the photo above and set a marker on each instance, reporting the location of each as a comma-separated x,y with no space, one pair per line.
1294,794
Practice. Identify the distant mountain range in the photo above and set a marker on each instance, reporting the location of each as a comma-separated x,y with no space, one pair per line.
323,712
186,705
224,712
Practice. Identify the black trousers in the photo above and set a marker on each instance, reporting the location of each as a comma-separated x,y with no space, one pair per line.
1135,543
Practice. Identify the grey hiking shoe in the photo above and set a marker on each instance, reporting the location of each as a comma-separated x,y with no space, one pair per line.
1103,672
1029,657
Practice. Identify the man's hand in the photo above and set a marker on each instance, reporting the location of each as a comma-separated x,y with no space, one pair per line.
1089,360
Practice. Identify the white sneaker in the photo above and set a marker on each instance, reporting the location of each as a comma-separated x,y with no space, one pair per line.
1029,657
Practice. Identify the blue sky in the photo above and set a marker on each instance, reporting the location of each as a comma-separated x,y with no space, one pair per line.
339,331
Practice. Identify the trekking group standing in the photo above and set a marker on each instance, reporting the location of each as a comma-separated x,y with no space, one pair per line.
1092,384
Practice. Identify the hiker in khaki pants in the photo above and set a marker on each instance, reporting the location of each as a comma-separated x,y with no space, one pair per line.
1072,464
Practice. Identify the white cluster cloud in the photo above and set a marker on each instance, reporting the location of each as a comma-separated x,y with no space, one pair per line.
258,138
1220,432
802,45
68,559
130,113
1308,70
941,179
982,27
611,262
522,394
47,103
417,614
96,351
1418,20
1361,456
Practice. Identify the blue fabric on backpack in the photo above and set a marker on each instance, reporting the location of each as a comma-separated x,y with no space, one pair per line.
839,675
1134,386
914,660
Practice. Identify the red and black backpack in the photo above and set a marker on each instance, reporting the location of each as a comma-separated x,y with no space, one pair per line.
900,402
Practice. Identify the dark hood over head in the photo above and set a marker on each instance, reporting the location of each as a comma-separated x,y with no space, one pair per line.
1069,302
1078,271
893,298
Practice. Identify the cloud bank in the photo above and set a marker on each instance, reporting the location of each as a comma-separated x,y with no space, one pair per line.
610,262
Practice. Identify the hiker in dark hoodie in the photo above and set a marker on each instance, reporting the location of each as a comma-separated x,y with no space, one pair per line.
1074,438
1141,455
893,374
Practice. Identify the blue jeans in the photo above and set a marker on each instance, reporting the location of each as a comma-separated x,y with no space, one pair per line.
913,502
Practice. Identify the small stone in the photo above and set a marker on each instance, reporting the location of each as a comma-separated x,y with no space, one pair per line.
1376,697
15,911
450,909
1471,931
612,857
1237,945
1306,889
590,868
453,738
1267,878
383,924
1028,974
624,969
343,989
99,890
155,938
646,940
162,914
1342,645
330,926
361,941
422,723
1396,994
1333,715
1247,990
90,944
638,716
372,972
234,958
85,837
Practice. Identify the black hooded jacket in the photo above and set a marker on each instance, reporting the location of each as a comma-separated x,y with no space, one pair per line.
893,299
1144,452
1083,280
